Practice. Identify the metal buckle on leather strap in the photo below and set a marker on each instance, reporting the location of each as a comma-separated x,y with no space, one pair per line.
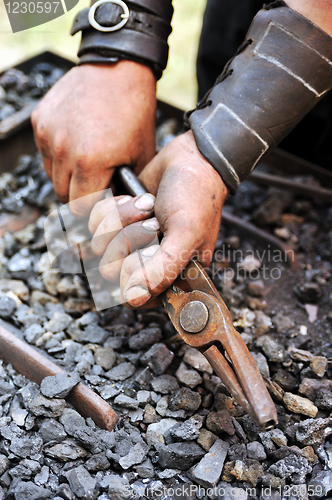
124,16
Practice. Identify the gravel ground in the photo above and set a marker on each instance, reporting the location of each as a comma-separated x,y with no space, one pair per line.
180,434
18,89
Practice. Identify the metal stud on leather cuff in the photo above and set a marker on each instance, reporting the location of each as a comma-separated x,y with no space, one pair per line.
119,29
281,71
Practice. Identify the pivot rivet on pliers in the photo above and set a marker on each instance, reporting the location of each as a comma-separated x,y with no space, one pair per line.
194,316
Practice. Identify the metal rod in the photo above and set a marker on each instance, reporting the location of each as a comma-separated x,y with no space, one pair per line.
294,165
130,182
33,365
296,187
264,237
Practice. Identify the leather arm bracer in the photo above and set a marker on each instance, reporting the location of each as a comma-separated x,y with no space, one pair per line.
136,30
283,68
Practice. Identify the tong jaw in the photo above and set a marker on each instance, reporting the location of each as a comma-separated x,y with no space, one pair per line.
203,321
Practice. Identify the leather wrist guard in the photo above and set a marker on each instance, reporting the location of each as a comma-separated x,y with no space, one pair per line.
279,73
115,29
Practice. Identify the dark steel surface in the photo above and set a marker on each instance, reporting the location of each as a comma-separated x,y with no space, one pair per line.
33,365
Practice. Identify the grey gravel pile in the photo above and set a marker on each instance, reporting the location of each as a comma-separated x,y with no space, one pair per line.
179,426
27,184
17,89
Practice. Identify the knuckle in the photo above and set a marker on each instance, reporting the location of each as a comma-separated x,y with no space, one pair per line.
42,133
96,247
95,217
84,160
34,118
59,147
79,211
130,263
42,138
110,272
117,249
63,198
109,226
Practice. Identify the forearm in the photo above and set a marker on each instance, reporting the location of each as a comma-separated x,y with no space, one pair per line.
317,11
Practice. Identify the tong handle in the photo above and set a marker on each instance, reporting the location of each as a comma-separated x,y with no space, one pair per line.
228,378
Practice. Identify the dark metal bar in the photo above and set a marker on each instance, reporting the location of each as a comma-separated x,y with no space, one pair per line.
291,164
33,365
296,187
17,121
130,182
262,236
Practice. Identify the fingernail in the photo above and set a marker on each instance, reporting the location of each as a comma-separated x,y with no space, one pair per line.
136,296
151,224
123,200
145,202
149,251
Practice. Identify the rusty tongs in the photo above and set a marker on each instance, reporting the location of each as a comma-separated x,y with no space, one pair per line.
203,321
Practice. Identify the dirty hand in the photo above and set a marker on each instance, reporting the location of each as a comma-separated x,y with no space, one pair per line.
188,204
95,118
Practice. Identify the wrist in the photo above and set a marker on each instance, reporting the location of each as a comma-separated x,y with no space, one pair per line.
130,69
203,168
129,76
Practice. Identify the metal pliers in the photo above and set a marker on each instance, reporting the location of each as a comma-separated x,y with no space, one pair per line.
203,321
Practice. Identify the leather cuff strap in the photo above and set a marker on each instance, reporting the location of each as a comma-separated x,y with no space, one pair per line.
281,71
127,44
161,8
110,15
94,58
